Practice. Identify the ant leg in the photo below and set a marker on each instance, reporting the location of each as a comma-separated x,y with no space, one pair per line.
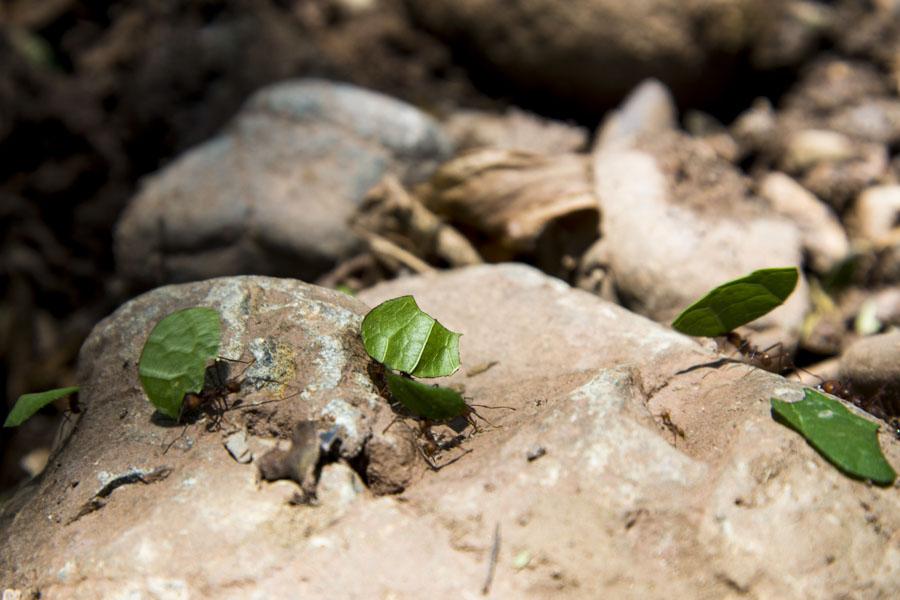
391,424
477,414
172,443
437,467
247,365
493,407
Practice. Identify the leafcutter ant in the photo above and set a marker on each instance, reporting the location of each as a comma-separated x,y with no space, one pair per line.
777,363
668,423
431,406
213,398
430,445
879,405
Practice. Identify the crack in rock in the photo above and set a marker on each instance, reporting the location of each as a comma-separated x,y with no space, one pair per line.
100,498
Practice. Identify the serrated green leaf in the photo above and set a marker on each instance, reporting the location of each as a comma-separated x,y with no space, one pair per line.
173,362
426,401
737,302
28,404
399,335
847,441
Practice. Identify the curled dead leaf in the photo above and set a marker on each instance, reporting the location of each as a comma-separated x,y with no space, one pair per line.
511,196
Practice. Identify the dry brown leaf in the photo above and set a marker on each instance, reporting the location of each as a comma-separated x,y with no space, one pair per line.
510,196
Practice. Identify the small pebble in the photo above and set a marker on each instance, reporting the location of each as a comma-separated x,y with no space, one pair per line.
237,447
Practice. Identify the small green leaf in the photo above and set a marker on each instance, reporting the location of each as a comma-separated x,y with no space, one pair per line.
737,302
173,362
844,439
426,401
399,335
28,404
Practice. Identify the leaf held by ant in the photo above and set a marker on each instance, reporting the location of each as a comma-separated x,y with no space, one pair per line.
428,402
174,358
737,302
402,337
28,404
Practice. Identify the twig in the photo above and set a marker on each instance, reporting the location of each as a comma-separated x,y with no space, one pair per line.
388,251
492,564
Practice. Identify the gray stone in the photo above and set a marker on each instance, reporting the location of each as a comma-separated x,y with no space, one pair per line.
272,193
237,447
677,221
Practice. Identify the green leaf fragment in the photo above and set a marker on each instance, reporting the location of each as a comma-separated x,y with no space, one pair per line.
28,404
426,401
173,362
399,335
846,440
737,302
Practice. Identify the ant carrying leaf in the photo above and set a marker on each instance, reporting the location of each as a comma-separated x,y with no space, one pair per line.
433,405
400,336
736,303
29,404
174,358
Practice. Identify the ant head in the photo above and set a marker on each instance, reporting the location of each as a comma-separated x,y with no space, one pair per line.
191,402
833,387
74,405
734,338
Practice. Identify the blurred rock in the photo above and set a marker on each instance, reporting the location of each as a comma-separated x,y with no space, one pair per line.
872,366
834,128
679,221
648,108
513,130
595,274
708,129
794,37
887,306
273,193
754,129
838,182
810,147
592,52
876,214
824,239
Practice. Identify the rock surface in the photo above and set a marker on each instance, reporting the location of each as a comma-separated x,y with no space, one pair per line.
626,466
272,194
678,221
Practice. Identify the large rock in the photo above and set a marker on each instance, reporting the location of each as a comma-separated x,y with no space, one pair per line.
272,194
626,467
678,221
594,51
